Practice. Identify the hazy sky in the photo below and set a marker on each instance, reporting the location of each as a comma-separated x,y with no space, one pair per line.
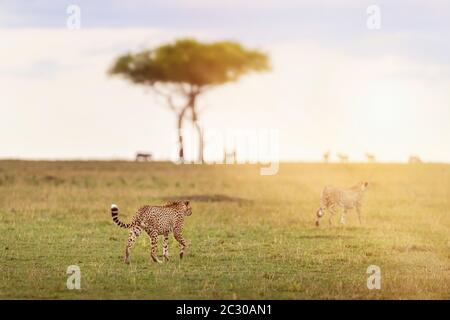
334,84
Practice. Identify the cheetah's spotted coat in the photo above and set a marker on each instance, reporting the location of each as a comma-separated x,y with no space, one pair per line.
156,221
347,199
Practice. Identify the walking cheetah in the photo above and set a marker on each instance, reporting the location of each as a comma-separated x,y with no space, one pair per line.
345,198
156,221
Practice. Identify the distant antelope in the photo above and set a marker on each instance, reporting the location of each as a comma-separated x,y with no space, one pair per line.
414,159
142,156
229,157
343,157
338,197
326,156
370,157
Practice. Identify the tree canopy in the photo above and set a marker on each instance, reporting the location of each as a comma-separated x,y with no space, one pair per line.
188,61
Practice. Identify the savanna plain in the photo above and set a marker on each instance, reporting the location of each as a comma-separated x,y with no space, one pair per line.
249,237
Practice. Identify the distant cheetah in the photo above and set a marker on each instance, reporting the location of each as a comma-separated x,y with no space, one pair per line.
345,198
156,221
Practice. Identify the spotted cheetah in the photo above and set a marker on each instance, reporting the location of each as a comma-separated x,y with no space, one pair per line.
345,198
156,221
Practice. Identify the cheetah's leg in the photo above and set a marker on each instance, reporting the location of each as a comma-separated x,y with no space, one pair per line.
332,211
166,247
134,234
154,240
179,237
358,210
343,215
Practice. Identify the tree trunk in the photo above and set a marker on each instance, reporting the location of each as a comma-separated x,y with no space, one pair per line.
180,135
197,126
180,140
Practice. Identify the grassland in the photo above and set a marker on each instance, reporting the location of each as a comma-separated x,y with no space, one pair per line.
250,236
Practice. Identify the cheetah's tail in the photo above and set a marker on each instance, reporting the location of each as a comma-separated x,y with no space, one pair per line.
115,217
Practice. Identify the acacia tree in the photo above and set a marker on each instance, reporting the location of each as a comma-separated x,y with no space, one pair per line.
185,69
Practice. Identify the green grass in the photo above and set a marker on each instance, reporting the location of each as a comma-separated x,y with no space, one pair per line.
249,236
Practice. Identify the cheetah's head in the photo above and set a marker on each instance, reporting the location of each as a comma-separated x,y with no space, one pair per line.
182,206
364,185
186,207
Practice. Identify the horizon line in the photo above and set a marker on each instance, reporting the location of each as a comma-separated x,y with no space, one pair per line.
298,161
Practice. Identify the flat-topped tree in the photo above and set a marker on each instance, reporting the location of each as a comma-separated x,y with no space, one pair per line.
186,69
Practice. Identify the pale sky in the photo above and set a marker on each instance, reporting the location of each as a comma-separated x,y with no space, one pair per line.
335,85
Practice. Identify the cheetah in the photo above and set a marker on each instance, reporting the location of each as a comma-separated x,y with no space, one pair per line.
156,221
345,198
